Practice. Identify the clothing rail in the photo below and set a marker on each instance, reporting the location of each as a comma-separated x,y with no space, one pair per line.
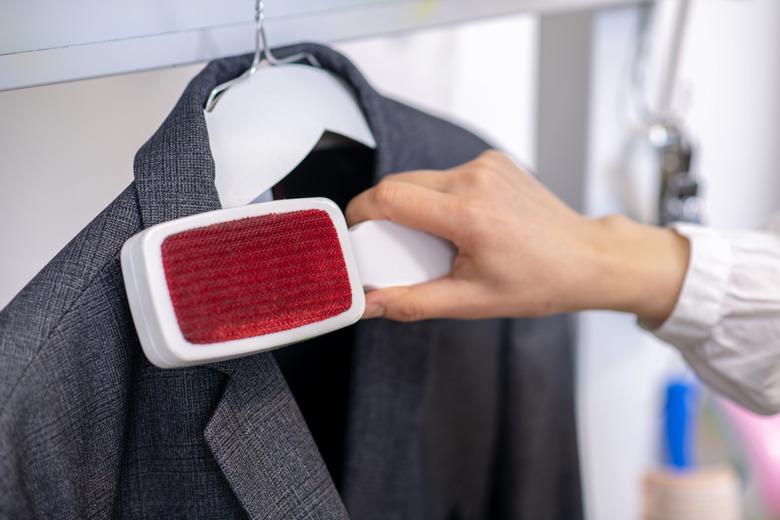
45,41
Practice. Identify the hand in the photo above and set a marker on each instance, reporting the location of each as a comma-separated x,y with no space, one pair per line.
521,251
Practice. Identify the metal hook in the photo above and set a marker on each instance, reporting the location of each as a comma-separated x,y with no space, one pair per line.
262,53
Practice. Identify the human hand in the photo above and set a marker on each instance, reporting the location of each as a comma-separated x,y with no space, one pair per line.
521,251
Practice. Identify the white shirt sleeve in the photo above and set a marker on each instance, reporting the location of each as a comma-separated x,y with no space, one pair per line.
726,321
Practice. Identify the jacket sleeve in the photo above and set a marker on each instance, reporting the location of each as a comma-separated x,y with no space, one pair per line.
726,322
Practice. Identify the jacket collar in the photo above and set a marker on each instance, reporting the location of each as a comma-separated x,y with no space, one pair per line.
174,169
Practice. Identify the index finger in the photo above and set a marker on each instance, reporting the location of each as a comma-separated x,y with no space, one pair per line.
408,204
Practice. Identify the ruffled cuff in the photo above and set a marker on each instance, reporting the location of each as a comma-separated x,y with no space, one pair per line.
700,304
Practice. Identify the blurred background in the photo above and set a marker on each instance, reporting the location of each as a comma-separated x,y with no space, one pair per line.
558,91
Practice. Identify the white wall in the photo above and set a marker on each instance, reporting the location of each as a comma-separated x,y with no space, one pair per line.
480,75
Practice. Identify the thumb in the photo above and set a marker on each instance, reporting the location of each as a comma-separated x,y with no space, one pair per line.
442,298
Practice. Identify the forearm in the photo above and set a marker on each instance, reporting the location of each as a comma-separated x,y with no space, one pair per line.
715,296
521,251
635,268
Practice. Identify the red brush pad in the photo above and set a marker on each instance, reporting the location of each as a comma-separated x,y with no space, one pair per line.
256,275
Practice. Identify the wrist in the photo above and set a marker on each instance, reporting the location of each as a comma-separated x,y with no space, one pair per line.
640,268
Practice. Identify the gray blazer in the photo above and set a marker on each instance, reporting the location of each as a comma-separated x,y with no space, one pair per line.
446,419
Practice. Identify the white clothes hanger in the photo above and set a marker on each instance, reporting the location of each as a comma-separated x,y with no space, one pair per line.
273,118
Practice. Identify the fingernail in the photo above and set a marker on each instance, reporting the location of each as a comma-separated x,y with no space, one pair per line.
373,310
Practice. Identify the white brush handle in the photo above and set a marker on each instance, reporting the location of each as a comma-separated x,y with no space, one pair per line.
388,254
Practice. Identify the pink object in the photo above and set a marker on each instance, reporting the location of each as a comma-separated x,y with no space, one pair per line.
761,440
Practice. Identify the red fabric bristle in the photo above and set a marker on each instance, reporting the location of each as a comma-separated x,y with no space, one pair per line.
256,275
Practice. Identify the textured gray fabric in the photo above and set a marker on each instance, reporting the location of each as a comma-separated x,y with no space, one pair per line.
446,419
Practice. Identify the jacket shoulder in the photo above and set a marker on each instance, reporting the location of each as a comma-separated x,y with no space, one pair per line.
433,141
30,320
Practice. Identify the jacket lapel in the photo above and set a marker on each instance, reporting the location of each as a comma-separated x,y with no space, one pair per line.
259,438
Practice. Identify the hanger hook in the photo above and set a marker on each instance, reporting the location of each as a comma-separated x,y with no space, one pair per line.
262,52
261,42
